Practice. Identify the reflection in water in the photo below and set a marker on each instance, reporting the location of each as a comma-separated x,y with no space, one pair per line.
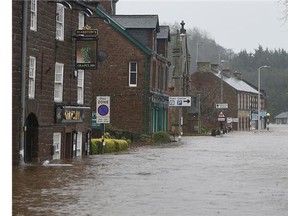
237,174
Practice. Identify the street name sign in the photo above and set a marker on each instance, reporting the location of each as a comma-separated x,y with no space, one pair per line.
103,109
222,106
180,101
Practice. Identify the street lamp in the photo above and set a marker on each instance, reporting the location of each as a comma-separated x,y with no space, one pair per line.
259,99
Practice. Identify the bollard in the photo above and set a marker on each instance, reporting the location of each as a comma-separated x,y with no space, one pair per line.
103,145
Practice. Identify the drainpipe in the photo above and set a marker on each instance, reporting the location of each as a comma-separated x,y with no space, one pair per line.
23,78
145,95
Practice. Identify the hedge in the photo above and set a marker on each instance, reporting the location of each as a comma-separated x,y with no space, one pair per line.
111,145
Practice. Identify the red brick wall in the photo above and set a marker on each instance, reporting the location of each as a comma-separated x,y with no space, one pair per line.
210,87
112,79
44,46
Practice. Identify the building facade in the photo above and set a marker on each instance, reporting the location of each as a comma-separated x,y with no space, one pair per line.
51,115
222,92
54,98
134,75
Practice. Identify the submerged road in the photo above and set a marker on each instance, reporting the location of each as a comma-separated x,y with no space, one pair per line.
241,173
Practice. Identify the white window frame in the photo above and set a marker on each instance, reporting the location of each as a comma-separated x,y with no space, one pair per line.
131,73
57,146
80,87
60,22
33,15
32,77
81,20
79,144
58,82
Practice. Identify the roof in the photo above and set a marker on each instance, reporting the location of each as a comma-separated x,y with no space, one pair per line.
237,84
138,21
164,33
122,30
282,115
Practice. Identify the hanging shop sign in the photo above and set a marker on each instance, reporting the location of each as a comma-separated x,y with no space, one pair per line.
86,49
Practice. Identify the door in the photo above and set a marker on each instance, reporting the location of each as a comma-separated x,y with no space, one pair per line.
31,139
68,146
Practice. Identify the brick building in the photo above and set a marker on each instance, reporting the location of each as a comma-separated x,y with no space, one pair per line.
51,115
53,103
135,73
215,85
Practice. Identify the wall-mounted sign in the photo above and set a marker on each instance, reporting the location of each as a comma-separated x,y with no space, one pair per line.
180,101
86,49
68,114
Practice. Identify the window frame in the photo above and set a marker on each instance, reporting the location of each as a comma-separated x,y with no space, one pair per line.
81,20
32,77
80,87
79,144
58,82
33,15
60,22
57,143
131,73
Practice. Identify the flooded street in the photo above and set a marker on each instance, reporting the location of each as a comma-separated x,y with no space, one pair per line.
241,173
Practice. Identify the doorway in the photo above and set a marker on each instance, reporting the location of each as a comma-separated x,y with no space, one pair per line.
31,139
68,146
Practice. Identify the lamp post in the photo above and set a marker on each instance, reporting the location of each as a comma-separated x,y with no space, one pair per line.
181,73
259,99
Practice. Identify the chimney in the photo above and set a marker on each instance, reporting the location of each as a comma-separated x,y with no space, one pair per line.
215,67
203,67
238,75
109,6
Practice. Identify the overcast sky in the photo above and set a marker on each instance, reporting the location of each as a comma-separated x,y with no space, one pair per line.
235,25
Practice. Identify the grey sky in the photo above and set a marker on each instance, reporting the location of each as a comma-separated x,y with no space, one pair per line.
235,25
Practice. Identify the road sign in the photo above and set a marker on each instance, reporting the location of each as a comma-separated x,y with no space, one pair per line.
180,101
222,106
103,109
221,116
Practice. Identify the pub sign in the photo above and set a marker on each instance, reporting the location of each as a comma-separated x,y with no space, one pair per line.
86,49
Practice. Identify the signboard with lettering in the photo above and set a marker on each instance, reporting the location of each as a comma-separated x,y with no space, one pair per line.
86,49
68,114
180,101
222,106
103,109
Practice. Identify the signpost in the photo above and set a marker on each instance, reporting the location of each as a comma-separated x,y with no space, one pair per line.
180,101
103,109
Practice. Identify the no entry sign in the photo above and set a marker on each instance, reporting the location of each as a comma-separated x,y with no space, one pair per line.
103,109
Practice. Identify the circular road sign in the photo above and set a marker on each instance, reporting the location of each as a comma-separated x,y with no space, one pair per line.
103,110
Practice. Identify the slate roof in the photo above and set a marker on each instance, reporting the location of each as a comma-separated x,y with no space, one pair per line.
282,115
138,21
237,84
